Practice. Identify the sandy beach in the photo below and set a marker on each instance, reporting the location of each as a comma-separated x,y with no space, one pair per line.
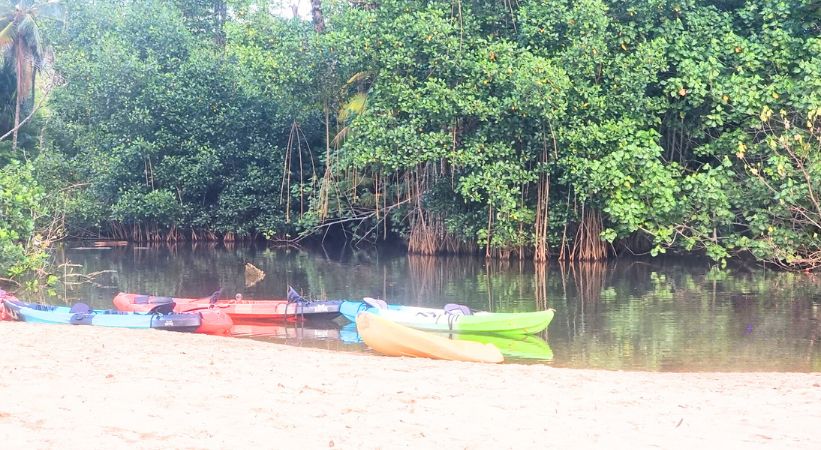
66,387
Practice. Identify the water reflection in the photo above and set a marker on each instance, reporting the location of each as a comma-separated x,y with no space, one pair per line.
317,334
662,315
286,330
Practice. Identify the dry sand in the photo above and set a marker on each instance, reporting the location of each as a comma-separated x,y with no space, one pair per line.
66,387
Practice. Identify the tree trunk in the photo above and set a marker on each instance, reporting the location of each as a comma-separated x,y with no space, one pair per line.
32,94
316,16
220,14
19,55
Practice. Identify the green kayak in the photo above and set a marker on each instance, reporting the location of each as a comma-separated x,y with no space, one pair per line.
459,320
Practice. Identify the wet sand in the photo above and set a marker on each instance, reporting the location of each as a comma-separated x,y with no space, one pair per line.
65,387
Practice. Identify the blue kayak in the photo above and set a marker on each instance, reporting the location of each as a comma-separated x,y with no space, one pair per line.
351,308
162,317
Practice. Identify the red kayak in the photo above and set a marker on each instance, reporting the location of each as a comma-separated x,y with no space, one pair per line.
3,314
251,310
214,320
294,309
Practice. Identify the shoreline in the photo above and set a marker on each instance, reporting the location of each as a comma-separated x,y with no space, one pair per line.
91,387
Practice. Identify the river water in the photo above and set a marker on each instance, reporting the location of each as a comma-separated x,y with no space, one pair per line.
639,314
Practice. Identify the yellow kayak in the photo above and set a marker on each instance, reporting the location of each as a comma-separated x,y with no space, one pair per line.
392,339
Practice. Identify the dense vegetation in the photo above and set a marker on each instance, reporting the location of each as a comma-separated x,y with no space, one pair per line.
572,129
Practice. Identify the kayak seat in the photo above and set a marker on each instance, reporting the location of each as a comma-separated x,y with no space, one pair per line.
79,308
294,297
455,308
375,303
163,308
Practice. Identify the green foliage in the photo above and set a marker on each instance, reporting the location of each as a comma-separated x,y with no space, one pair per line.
783,203
692,124
21,250
628,179
278,59
162,129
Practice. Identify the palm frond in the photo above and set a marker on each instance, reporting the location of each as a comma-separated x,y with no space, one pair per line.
357,77
7,36
26,25
28,30
46,59
36,45
355,105
343,133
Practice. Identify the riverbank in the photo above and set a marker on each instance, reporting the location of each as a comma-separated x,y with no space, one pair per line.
84,387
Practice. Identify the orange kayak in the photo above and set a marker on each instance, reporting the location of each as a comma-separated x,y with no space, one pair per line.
392,339
214,320
245,310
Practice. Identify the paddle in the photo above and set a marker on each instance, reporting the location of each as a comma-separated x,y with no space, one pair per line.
212,303
294,297
212,300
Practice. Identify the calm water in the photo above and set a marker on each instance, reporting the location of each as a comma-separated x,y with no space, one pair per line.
657,315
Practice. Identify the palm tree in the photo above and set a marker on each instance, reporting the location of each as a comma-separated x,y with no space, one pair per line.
22,46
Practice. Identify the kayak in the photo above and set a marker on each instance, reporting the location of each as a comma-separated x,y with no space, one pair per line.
293,309
351,308
511,346
162,317
3,314
392,339
213,320
452,318
240,310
